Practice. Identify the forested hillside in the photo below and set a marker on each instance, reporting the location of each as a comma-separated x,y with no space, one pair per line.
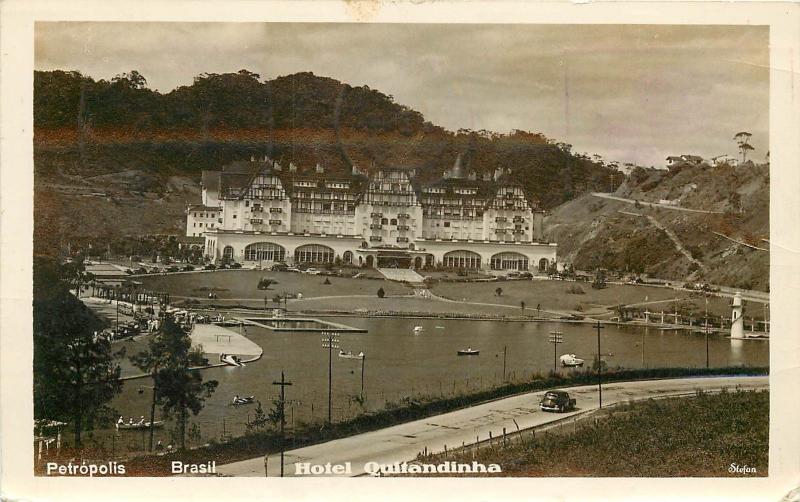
128,158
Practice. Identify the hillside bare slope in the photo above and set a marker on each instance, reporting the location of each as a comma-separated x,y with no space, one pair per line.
597,232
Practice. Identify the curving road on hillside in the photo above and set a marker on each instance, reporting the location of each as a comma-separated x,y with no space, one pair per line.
403,442
652,204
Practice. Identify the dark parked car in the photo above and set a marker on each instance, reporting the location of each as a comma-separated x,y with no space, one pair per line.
236,265
279,267
188,268
210,266
557,400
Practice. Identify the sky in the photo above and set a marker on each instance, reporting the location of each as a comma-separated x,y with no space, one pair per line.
630,93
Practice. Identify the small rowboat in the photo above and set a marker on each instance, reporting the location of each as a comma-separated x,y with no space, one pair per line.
468,352
141,424
418,330
350,355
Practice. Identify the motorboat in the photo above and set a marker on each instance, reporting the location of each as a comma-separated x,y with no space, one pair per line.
231,360
238,401
468,352
418,330
350,355
571,360
141,424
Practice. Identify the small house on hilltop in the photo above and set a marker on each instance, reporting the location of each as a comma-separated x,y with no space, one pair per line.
679,162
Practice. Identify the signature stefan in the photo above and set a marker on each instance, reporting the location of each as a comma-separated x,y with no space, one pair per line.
735,468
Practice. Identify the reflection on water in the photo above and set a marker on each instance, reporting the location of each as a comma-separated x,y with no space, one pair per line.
737,351
399,364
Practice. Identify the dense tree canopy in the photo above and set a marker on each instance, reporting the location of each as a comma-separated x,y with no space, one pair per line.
300,118
75,374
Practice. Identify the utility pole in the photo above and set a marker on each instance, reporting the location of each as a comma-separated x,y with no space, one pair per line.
556,338
116,300
505,347
706,330
599,365
330,341
283,383
363,360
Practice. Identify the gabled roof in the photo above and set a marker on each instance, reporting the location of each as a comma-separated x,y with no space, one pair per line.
210,179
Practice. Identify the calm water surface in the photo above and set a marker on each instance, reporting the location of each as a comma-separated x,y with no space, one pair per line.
401,364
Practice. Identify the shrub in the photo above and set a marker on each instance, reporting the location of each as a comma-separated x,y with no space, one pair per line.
266,282
575,290
381,293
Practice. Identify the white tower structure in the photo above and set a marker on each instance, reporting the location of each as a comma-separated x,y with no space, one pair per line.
737,321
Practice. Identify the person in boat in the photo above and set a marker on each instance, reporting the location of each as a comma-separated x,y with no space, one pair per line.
130,420
121,421
236,399
141,420
159,445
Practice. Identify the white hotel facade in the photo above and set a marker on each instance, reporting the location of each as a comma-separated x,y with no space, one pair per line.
258,213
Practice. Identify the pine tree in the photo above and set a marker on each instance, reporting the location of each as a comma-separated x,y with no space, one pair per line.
180,389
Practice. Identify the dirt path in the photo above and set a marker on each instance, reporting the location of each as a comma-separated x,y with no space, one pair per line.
678,244
652,204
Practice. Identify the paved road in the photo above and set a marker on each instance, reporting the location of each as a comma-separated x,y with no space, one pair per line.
403,442
653,204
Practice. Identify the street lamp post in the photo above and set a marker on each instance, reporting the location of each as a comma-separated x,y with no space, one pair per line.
599,365
556,338
330,341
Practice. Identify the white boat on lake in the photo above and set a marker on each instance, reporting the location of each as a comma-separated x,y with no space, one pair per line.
231,360
571,360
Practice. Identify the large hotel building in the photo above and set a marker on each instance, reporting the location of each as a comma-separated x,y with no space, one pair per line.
259,212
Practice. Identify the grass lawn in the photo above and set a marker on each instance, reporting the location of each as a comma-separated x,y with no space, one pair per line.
691,436
554,295
243,284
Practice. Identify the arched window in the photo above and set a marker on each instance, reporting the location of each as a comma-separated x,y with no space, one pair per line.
462,259
347,257
543,265
227,252
509,261
313,253
264,251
